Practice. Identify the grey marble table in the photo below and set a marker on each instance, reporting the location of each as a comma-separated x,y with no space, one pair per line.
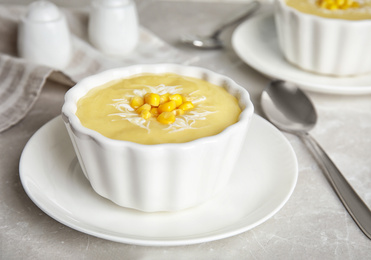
312,225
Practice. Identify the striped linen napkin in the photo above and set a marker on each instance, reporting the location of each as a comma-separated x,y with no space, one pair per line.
21,82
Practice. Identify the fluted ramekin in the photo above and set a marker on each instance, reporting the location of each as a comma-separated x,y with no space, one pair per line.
335,47
160,177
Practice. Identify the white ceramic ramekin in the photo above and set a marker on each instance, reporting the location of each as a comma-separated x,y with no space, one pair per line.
334,47
161,177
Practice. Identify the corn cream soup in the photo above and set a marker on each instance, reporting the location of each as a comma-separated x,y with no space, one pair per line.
338,9
158,108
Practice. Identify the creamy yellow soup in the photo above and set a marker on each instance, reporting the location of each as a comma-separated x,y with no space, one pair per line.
338,9
109,109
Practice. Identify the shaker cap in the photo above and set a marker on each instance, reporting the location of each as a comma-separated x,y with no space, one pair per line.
42,11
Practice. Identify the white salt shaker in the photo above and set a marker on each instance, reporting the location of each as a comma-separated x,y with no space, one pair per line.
43,36
113,26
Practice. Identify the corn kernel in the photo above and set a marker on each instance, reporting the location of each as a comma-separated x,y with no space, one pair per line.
178,112
146,114
146,96
143,107
164,98
167,106
185,99
186,106
152,99
166,118
136,102
154,111
177,98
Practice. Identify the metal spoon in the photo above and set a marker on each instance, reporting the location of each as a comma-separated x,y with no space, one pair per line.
286,106
212,41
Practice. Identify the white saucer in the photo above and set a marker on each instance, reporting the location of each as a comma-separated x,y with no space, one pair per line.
255,42
262,183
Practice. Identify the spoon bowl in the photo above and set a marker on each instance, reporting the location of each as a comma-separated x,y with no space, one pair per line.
288,107
202,42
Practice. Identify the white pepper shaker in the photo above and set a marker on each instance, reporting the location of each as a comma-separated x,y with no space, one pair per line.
113,26
43,36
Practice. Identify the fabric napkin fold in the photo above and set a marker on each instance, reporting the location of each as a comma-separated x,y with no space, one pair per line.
21,82
20,85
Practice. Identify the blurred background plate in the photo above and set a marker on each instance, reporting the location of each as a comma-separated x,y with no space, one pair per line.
255,42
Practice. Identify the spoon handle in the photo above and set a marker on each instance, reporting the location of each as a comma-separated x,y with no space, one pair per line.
252,7
359,211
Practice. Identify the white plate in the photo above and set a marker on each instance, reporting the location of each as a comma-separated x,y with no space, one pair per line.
262,183
255,42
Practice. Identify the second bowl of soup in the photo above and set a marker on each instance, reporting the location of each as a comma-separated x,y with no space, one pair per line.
325,36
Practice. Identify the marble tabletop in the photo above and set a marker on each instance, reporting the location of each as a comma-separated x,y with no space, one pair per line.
313,224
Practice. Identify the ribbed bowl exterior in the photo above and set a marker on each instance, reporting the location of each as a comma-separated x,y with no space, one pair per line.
163,177
326,46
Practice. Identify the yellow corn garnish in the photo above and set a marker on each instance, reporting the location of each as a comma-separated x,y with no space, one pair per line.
136,102
177,98
337,4
145,114
166,118
178,112
186,106
154,111
164,98
167,106
152,99
184,99
163,107
143,107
